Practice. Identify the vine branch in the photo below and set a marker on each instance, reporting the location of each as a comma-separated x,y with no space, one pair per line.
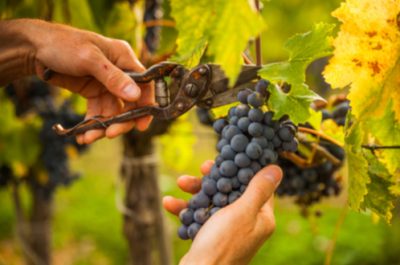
376,147
320,134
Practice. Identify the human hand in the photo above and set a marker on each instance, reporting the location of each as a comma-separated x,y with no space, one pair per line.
85,63
234,233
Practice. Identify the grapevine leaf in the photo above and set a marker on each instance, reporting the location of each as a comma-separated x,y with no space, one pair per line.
366,56
387,132
330,128
218,24
296,103
357,166
379,198
315,119
303,49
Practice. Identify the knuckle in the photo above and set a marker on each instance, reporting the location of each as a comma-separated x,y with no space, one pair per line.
86,55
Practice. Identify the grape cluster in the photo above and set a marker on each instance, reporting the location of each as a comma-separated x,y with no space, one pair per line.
54,157
308,185
249,139
338,114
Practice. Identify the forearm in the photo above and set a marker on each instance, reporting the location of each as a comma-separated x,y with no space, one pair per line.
17,48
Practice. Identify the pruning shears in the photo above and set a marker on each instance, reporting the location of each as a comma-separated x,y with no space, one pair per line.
205,86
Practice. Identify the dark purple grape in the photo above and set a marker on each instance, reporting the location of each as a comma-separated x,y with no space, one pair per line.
183,232
276,141
242,95
201,215
254,150
221,143
193,229
218,160
245,175
239,143
242,110
224,185
341,110
286,134
290,146
233,120
256,115
231,131
186,216
268,157
235,183
209,187
231,112
227,153
261,141
220,199
219,125
255,166
268,133
268,117
243,188
256,129
243,124
200,200
214,210
242,160
326,114
255,100
228,168
261,87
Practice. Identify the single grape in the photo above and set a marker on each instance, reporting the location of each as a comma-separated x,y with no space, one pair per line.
193,229
242,95
221,143
228,168
233,196
231,131
256,129
268,117
239,143
201,215
218,160
243,188
243,124
326,114
242,110
186,216
286,134
214,173
256,115
235,183
290,146
268,157
231,112
261,87
200,200
233,120
253,150
224,185
220,199
227,153
183,232
245,175
219,125
268,133
255,100
209,187
242,160
261,141
341,110
276,141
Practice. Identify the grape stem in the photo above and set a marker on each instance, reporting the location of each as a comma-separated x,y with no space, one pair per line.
375,147
246,59
258,39
159,22
320,134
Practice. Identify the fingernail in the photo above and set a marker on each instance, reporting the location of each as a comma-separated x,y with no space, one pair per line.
131,92
274,174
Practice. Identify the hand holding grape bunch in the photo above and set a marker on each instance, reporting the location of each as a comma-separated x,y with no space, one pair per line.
220,240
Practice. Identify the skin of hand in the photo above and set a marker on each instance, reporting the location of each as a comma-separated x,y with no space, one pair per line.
85,63
235,233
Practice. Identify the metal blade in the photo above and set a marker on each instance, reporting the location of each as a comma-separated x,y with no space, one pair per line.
220,94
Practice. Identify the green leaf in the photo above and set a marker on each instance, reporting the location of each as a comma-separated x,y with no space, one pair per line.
303,49
357,166
296,103
225,26
379,198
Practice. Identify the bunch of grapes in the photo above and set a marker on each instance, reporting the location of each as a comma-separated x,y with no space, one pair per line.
338,114
37,98
249,139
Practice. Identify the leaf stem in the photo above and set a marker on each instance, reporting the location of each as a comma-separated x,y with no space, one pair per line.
320,134
375,147
159,22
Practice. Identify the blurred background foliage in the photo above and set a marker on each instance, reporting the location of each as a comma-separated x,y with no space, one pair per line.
87,224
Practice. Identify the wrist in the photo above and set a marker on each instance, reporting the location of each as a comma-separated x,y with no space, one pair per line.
17,48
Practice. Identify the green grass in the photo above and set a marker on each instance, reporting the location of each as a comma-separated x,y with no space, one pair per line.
88,226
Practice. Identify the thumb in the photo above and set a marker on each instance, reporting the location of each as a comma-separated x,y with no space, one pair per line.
115,80
261,188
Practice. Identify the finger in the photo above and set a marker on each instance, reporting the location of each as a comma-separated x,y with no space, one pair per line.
189,184
93,109
143,123
206,167
119,128
113,78
93,135
173,205
261,189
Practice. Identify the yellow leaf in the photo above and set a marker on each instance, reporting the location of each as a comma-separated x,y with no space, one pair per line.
366,52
